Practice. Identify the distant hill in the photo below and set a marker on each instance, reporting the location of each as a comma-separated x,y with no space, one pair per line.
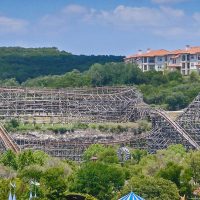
24,63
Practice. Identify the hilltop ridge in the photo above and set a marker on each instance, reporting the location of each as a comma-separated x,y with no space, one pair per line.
25,63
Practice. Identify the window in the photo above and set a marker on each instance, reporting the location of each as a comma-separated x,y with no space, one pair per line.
151,67
145,59
188,57
151,60
188,65
198,56
183,57
192,57
174,61
192,64
160,59
145,67
183,65
183,72
165,58
159,67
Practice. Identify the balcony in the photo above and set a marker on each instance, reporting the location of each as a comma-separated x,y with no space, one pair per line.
174,65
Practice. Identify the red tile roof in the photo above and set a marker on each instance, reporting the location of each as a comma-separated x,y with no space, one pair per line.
151,53
163,52
193,50
176,52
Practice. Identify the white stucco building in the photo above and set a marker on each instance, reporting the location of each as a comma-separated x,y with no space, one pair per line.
185,60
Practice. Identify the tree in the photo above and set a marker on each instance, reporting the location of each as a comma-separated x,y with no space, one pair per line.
54,183
9,82
12,125
31,172
194,76
138,154
175,76
194,165
171,172
25,158
177,101
152,188
152,163
186,188
93,150
22,188
108,155
40,157
99,180
9,159
71,196
24,63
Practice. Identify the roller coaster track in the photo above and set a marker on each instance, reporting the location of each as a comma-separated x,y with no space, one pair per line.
8,141
178,128
108,104
10,144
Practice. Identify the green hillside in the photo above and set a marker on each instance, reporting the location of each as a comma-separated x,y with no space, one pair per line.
24,63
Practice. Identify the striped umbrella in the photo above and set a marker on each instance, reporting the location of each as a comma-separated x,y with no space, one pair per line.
131,196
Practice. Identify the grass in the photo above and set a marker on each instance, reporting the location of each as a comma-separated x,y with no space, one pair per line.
71,127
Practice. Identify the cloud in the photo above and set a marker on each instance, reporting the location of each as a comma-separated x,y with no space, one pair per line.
75,26
173,32
167,1
11,25
172,12
121,16
142,16
196,17
163,21
128,16
74,9
67,18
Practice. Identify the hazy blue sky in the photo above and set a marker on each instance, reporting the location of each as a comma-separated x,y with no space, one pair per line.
117,27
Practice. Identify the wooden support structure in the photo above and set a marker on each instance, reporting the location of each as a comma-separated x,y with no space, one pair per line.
8,142
103,104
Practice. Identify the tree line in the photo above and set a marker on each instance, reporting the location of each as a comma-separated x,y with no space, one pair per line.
168,174
24,63
169,90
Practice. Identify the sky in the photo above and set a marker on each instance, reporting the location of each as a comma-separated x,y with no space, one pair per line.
117,27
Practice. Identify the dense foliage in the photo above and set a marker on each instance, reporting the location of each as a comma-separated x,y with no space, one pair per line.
47,67
170,90
168,174
23,63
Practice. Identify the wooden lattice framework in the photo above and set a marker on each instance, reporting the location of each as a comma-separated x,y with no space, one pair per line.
103,104
190,119
165,132
107,104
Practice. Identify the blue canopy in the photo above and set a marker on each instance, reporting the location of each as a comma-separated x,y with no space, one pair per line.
131,196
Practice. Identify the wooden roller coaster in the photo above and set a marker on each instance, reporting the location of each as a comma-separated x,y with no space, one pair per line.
8,142
106,104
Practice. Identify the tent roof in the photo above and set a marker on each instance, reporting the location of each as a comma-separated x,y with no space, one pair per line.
131,196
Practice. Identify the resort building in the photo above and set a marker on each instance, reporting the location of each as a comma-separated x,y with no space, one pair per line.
185,60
